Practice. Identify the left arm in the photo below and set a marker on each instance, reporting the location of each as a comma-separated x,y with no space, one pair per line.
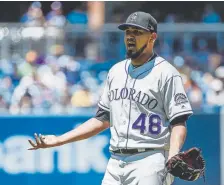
178,109
177,138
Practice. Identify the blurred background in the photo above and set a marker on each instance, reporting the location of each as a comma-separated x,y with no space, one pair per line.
54,58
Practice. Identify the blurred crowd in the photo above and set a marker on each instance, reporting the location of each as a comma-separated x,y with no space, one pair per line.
35,16
79,15
210,15
51,84
57,82
203,82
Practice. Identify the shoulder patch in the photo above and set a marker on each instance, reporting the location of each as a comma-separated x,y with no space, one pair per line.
180,98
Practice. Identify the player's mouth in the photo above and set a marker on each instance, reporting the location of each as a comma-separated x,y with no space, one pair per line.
131,44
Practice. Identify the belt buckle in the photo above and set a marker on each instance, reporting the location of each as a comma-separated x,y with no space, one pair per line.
141,149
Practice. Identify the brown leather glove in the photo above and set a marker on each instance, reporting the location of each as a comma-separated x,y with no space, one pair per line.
188,165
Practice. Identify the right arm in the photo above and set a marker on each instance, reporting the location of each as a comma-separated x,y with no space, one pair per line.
88,129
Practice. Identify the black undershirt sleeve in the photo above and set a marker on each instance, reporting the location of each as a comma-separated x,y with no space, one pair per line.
102,115
180,119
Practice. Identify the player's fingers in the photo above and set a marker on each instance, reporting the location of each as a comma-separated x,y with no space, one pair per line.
37,139
32,148
42,138
32,143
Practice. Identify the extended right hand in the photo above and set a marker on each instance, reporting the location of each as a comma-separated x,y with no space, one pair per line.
43,141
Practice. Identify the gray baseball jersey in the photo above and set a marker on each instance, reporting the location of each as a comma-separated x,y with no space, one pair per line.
142,101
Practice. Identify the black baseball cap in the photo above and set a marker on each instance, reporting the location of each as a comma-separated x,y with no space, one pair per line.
141,20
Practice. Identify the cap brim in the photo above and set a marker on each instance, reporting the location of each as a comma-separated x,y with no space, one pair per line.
124,26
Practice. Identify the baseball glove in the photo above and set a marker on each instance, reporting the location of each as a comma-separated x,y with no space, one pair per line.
188,165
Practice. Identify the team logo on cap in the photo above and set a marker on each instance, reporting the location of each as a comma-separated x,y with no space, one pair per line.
133,17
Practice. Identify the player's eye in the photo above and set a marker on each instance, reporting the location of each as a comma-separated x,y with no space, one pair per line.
137,32
128,32
134,32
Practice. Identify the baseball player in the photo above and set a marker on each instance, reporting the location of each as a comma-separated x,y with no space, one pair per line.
144,105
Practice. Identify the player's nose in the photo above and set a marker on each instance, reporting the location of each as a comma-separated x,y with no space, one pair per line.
130,36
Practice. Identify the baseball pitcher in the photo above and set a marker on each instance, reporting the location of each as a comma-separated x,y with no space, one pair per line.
144,105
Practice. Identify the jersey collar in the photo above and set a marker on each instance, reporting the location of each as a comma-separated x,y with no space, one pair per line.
142,70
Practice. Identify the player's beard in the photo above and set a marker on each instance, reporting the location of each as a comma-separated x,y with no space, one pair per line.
134,54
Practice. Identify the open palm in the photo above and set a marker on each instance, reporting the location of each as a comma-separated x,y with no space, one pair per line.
43,141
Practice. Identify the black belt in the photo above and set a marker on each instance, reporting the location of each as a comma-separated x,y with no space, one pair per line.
132,151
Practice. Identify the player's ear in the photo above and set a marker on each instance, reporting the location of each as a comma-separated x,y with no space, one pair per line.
153,37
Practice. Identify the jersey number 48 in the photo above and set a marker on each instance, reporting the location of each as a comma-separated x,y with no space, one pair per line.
154,123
